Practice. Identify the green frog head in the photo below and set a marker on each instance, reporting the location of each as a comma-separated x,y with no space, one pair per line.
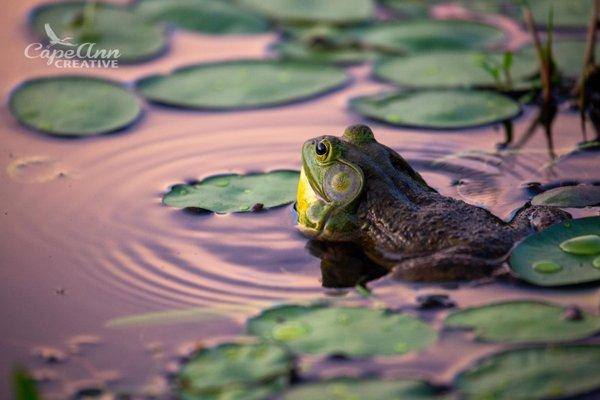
331,183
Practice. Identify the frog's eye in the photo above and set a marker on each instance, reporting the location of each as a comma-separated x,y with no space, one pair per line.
322,148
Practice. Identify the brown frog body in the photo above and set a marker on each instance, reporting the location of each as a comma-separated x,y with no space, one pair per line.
354,189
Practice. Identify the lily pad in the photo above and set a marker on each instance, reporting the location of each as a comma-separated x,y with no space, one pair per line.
566,14
430,35
309,11
546,246
74,105
105,26
234,371
295,50
437,109
569,196
410,8
208,16
371,389
357,332
568,55
242,84
532,373
453,69
523,321
236,193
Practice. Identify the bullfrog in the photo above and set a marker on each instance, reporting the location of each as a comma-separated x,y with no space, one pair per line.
353,189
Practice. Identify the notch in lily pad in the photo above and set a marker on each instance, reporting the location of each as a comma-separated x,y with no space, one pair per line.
242,84
235,371
72,106
562,371
236,193
573,245
523,322
437,109
349,331
569,196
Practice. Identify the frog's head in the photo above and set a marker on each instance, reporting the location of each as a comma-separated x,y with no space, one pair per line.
331,182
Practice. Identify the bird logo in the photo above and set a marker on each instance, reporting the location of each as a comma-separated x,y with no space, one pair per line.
54,39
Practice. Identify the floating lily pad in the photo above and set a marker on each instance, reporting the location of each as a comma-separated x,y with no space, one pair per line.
295,50
568,55
566,14
410,8
325,11
569,196
235,371
371,389
236,193
105,26
453,69
532,373
242,84
437,109
358,332
523,321
208,16
546,246
74,105
429,35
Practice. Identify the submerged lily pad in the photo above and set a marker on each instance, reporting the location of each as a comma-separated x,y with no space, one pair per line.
437,109
532,373
104,25
236,193
569,196
546,246
236,371
323,11
452,69
358,332
74,105
242,84
296,50
523,321
209,16
430,35
568,55
371,389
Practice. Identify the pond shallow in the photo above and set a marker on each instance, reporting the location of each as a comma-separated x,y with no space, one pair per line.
91,242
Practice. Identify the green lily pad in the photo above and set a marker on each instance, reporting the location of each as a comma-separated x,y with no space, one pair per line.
235,371
567,14
208,16
430,35
568,55
532,373
452,69
523,321
437,109
242,84
295,50
355,389
358,332
310,11
74,105
410,8
106,26
545,246
569,196
236,193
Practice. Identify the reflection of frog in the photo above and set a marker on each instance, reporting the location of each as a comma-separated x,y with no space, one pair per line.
353,189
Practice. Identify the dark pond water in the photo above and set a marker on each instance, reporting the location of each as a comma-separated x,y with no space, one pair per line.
85,241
